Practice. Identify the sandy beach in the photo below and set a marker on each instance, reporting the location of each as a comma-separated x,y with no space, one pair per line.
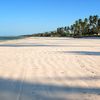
50,69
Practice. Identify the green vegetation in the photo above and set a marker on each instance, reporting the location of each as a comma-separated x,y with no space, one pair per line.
87,27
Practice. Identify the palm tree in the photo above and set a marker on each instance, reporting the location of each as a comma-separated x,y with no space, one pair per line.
86,21
81,27
80,21
86,26
76,29
91,20
72,29
61,31
99,22
95,24
66,28
87,29
98,25
95,19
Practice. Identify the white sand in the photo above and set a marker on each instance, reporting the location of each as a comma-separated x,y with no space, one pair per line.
50,69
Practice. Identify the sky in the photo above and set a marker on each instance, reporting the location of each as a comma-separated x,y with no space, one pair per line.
18,17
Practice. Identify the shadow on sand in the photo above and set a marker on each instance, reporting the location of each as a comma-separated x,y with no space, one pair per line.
95,53
44,45
10,89
89,78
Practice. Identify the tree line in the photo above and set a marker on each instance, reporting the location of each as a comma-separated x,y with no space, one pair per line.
86,27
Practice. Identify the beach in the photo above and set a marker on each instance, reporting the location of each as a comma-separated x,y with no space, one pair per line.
43,68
